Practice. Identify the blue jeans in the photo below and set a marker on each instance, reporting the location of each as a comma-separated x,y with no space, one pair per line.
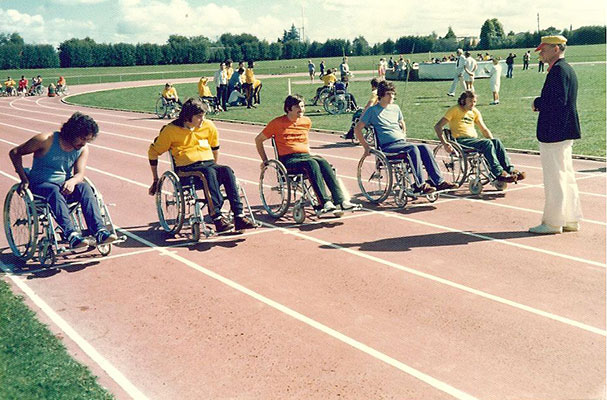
58,204
420,154
217,175
494,152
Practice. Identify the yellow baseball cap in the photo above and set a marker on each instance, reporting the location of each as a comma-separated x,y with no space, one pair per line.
553,39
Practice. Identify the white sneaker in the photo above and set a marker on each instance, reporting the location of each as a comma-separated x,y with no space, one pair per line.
346,205
545,229
328,207
571,227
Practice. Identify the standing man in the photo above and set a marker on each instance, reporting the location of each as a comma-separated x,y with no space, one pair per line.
510,64
311,69
526,58
221,84
470,66
557,126
459,73
344,71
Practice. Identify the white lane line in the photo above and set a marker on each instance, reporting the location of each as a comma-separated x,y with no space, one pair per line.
88,349
436,278
449,283
437,384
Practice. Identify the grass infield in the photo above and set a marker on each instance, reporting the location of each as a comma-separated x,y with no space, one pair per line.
34,364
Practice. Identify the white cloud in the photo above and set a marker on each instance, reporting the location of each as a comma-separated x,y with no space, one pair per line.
77,2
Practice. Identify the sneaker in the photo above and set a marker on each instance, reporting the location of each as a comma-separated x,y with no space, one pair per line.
519,175
222,224
328,207
506,178
444,185
545,229
571,227
346,205
103,236
424,188
242,223
77,241
451,94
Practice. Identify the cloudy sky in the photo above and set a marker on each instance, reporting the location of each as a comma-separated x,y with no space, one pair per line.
152,21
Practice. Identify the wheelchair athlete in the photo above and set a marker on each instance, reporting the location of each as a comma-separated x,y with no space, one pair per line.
290,133
194,145
387,119
55,156
461,119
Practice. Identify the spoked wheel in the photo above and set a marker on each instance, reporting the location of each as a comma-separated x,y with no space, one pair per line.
322,96
169,203
335,104
452,165
299,213
500,185
195,231
274,189
400,198
21,222
374,176
369,135
46,254
475,186
104,249
161,108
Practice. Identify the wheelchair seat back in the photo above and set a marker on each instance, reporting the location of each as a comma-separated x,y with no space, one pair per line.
339,88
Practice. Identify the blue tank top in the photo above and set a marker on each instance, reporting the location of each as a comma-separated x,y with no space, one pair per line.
55,166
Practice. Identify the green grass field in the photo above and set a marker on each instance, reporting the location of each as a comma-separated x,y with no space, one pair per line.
423,104
34,364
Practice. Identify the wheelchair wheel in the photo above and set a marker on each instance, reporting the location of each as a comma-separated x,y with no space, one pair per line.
335,104
195,231
369,135
46,254
475,186
274,189
499,185
299,213
453,166
374,176
169,203
432,197
104,249
322,96
400,198
161,108
21,222
173,110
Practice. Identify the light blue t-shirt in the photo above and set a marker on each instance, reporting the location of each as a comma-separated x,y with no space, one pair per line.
385,121
55,166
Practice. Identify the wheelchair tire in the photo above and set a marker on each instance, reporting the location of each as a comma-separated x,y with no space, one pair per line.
195,231
401,199
274,188
46,254
453,166
374,174
170,204
475,186
161,108
21,223
432,197
499,185
335,104
104,249
299,213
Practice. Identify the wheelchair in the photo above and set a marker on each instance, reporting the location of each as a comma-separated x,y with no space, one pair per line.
381,174
465,164
279,188
339,100
62,90
212,103
368,133
179,206
166,108
31,231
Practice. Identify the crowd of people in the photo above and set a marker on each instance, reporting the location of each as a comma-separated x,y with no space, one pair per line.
35,87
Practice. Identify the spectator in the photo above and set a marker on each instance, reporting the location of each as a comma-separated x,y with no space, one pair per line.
495,77
311,69
221,86
459,73
510,64
470,66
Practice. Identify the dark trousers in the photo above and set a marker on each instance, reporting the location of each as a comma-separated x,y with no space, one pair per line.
420,154
248,92
318,171
494,152
509,70
217,175
222,96
58,204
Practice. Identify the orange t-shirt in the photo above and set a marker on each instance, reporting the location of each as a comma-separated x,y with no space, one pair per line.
290,136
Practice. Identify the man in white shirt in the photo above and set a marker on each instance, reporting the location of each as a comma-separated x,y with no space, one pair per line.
459,73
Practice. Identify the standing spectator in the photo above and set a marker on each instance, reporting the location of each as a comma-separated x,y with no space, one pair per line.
391,64
470,66
311,69
495,77
381,68
510,64
249,80
459,73
235,81
344,70
257,91
322,69
221,85
229,69
526,58
540,65
558,125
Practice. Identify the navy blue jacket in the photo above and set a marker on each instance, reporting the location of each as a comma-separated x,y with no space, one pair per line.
558,119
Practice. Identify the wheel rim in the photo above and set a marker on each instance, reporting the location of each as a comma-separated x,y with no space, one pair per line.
374,177
451,165
20,223
274,189
160,108
169,203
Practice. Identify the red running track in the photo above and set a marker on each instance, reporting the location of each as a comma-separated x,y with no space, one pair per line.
446,300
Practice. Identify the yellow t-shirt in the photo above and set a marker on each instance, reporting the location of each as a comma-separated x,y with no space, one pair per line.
10,83
461,121
249,76
257,83
170,93
203,89
229,72
329,79
186,146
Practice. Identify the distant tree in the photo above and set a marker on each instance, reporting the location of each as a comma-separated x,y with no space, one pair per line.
450,34
587,35
275,50
148,54
123,54
263,50
250,51
291,34
361,46
314,50
388,46
12,38
492,32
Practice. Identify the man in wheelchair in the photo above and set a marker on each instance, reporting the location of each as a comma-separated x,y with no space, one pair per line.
389,124
290,133
194,145
461,119
55,156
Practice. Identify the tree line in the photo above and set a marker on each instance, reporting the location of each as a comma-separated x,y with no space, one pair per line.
14,53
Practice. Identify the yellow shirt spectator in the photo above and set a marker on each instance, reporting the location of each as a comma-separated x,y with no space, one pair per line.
203,89
249,76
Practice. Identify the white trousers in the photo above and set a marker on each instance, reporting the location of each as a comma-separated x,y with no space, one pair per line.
562,199
456,79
